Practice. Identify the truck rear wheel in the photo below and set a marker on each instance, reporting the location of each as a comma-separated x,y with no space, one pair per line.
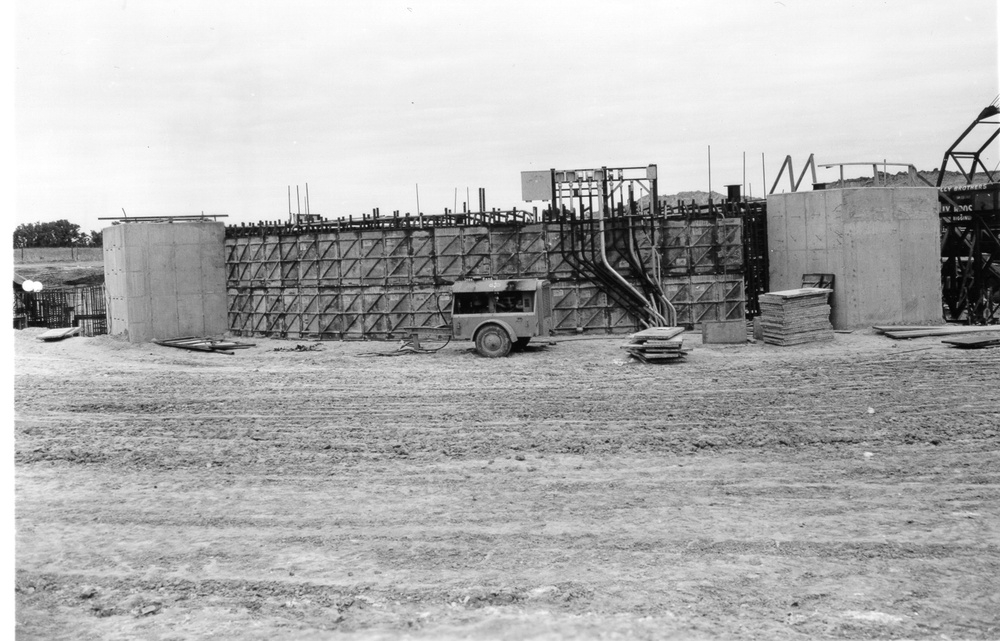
492,341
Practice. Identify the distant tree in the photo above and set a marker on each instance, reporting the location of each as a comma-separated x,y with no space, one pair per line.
60,233
96,238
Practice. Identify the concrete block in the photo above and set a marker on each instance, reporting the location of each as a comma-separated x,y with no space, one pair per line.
724,332
134,234
188,256
161,282
160,258
165,321
188,280
881,244
190,315
216,313
137,332
136,283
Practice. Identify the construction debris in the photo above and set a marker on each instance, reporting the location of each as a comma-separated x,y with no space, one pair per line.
197,344
796,316
923,331
58,334
656,344
299,348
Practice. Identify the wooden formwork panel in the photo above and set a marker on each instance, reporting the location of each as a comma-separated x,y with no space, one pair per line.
308,247
674,246
374,321
371,271
352,311
729,240
592,308
559,267
476,252
644,247
267,316
397,257
292,300
705,312
237,273
258,268
504,249
677,290
704,292
397,271
429,310
386,280
349,246
397,312
532,252
703,248
620,321
396,243
372,262
324,318
319,262
237,261
269,273
288,261
683,313
289,273
288,247
564,307
733,304
448,249
422,251
733,310
239,317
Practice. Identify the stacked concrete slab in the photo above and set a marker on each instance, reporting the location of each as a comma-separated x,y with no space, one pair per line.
165,280
882,244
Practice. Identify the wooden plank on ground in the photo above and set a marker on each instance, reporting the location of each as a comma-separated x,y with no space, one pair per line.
941,331
977,341
58,334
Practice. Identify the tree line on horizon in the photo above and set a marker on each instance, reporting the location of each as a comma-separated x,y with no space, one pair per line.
60,233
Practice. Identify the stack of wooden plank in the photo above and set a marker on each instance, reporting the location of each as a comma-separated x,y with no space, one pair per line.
657,344
198,344
796,316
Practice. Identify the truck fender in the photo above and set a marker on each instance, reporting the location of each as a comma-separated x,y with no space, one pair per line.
494,321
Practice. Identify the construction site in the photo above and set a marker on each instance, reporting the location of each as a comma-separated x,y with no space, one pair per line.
616,414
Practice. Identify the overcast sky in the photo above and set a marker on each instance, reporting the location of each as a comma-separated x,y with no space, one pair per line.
178,107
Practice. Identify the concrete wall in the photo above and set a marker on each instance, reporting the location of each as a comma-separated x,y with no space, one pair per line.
58,255
165,280
881,244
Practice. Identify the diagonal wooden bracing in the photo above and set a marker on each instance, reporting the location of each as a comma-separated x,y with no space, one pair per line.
381,283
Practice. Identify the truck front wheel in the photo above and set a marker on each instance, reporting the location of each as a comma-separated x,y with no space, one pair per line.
492,341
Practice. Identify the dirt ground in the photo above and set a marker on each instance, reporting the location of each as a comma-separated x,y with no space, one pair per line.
839,490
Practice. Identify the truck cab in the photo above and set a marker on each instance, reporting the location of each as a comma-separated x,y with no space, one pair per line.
501,315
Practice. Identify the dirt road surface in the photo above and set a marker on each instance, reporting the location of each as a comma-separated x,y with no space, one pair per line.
844,490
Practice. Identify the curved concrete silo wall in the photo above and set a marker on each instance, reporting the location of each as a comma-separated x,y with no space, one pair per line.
882,244
165,280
